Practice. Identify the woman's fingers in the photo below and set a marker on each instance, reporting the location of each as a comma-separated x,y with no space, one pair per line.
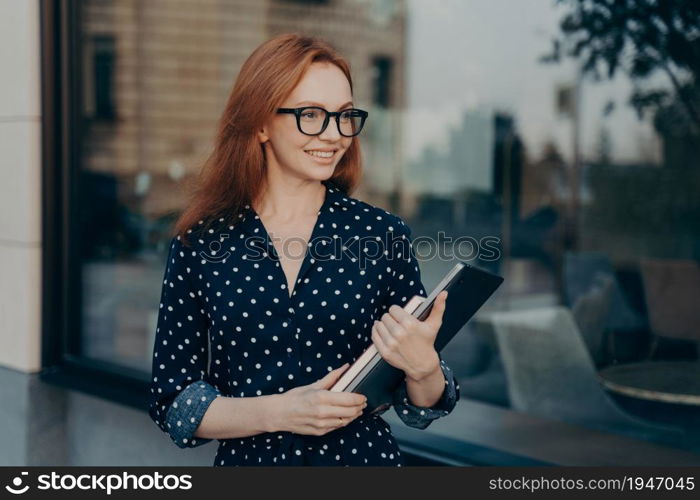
342,398
330,378
333,419
334,412
336,421
438,310
390,322
387,341
379,342
384,334
400,315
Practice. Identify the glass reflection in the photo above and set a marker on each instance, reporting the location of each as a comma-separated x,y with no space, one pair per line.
525,164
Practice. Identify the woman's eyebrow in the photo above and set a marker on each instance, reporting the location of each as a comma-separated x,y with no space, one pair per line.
313,103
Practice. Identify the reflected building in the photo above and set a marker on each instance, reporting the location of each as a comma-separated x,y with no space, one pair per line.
155,79
441,182
156,76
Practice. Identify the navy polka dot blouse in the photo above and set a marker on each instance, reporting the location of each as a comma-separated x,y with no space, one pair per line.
228,327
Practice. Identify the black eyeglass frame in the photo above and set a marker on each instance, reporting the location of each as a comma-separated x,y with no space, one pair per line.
329,114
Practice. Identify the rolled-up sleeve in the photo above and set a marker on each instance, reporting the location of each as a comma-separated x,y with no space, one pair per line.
180,392
420,417
406,282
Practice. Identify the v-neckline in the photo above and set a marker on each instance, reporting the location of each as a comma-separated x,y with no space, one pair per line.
306,260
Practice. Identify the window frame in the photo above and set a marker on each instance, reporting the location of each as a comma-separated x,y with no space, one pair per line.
61,334
61,277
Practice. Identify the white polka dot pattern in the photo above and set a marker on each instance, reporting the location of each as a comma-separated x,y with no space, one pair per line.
227,327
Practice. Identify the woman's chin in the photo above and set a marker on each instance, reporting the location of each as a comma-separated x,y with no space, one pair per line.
320,172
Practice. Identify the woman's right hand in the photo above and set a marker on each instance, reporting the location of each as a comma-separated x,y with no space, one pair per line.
315,410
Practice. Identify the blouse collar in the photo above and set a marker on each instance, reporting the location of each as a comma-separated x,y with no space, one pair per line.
334,199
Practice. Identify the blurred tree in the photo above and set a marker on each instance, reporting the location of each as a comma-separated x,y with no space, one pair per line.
605,145
640,38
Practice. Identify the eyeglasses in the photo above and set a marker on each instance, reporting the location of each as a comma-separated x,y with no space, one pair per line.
313,120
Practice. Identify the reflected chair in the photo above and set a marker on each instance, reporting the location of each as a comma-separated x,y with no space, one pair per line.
489,386
590,312
550,374
474,358
671,290
580,269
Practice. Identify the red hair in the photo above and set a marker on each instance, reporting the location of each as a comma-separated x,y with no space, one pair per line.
233,174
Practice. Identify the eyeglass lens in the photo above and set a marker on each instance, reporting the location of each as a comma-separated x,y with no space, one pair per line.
311,121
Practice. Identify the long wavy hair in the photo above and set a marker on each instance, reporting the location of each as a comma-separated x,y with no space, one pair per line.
233,175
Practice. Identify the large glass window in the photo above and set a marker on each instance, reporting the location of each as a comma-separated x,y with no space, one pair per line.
581,192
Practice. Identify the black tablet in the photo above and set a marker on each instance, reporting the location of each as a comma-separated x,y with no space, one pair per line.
468,287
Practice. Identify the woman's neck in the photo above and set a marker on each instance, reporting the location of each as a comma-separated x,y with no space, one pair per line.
291,202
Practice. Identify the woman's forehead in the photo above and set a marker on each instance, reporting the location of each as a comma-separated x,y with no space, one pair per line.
323,105
325,86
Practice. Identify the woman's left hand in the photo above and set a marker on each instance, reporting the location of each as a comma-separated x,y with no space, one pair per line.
408,343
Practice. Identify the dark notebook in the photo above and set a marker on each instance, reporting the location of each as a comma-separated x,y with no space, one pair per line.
468,288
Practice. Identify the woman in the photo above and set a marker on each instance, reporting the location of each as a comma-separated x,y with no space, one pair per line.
253,329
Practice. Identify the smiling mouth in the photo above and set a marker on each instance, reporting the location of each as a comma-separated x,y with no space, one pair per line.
322,155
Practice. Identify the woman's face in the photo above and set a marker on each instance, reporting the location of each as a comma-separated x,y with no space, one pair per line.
323,85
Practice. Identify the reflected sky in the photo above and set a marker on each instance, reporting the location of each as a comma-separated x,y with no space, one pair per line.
483,54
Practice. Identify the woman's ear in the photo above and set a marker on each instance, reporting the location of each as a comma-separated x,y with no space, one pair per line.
262,136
